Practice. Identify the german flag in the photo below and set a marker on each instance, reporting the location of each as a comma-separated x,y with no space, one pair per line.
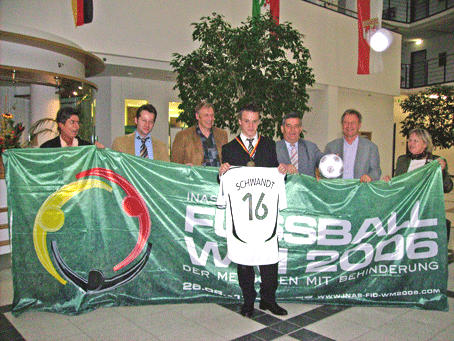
82,11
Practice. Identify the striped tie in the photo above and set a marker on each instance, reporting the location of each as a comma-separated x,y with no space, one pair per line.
251,146
294,156
143,147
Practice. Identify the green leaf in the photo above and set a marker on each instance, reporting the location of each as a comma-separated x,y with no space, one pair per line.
258,61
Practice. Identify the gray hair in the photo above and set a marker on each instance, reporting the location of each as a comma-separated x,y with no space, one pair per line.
424,135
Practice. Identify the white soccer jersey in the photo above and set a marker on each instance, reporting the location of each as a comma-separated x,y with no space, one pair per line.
253,197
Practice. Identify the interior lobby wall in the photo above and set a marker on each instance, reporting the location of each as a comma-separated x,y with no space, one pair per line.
154,30
141,29
111,103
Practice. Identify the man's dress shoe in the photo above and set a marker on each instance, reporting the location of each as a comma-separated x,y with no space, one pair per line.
247,310
273,307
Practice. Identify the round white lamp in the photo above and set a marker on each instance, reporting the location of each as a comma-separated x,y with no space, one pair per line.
380,40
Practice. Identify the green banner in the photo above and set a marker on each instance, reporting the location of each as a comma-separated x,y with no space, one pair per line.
94,228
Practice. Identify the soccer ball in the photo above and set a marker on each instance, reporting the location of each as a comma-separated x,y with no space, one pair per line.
331,166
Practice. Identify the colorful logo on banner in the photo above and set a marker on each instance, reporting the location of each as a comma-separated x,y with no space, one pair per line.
50,218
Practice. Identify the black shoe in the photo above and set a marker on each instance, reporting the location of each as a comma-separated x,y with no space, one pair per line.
273,307
247,310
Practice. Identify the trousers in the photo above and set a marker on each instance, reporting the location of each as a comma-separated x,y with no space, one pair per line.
268,285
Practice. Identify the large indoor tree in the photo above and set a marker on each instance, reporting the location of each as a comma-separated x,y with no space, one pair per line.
259,62
433,110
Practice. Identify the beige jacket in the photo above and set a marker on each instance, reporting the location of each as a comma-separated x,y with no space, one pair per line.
126,144
187,146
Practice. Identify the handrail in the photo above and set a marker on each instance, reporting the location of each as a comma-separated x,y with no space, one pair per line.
396,10
429,72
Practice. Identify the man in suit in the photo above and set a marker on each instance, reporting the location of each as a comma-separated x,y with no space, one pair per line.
251,149
360,156
200,145
140,142
300,156
68,125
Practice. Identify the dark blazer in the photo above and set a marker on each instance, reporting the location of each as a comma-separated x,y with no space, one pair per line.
403,162
56,143
265,154
309,156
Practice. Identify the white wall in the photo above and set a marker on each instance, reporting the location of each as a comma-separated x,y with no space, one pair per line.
143,28
156,29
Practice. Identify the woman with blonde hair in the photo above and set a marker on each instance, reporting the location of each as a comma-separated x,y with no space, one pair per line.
420,148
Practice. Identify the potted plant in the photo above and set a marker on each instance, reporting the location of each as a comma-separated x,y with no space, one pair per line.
10,134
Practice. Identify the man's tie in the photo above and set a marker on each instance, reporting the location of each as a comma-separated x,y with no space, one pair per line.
143,147
251,146
294,156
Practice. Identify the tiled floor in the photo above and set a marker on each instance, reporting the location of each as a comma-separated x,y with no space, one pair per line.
213,322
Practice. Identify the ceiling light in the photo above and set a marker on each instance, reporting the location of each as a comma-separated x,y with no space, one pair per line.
381,40
418,41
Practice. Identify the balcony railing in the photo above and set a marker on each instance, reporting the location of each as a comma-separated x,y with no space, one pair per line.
410,11
403,11
430,72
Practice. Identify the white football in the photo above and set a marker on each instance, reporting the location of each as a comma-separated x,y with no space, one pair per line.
331,166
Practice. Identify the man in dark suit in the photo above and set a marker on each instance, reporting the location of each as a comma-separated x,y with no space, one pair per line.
360,156
300,156
251,149
68,121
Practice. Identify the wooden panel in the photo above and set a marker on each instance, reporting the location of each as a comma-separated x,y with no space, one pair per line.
3,226
4,242
2,169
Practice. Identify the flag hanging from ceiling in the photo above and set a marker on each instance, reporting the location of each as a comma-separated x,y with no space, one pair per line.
82,11
271,5
369,17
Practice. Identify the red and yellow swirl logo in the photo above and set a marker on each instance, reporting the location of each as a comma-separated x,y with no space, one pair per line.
50,218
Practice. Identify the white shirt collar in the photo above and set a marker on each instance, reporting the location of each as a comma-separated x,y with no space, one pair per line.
245,141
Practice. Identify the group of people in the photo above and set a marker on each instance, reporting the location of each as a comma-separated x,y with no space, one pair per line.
203,143
206,145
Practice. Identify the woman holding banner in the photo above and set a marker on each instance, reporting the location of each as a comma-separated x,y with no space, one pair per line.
420,149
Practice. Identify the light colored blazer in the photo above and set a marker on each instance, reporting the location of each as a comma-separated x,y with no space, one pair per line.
367,159
308,156
126,144
187,146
